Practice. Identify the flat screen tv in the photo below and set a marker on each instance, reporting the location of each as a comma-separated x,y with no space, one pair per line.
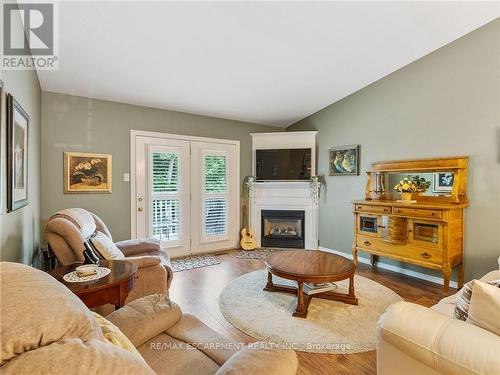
283,164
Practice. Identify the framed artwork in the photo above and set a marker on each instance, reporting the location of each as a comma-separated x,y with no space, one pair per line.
87,173
2,116
442,182
344,160
17,155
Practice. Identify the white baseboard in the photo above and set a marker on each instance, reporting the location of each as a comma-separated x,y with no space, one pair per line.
390,267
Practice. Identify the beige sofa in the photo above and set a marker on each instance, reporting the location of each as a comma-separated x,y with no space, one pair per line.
46,329
415,340
68,229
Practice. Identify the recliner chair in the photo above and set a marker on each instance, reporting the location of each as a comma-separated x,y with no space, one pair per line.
68,229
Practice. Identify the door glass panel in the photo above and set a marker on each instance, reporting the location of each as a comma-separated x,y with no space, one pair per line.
215,174
166,219
215,216
426,232
165,172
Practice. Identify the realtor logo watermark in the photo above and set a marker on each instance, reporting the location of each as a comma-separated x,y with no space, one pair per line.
30,36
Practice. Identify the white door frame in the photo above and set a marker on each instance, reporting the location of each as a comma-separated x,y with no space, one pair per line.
133,179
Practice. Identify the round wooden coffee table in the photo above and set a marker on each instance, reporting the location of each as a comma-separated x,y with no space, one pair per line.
310,266
113,288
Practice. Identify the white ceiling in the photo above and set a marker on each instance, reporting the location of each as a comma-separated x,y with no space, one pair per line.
266,62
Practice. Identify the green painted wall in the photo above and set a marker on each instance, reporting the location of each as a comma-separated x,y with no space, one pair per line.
72,123
20,229
445,104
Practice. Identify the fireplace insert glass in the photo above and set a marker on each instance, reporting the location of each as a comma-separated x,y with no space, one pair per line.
282,228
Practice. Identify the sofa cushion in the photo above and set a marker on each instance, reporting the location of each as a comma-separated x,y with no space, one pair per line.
36,310
75,356
464,297
105,246
114,336
251,361
146,317
484,310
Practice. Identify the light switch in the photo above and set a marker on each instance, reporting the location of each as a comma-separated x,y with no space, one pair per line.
126,177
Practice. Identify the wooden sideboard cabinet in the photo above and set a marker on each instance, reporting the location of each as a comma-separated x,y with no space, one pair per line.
427,233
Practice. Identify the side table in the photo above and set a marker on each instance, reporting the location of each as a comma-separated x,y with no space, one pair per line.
113,288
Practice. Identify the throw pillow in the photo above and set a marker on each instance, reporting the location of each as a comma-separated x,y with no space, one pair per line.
484,309
464,297
114,336
105,246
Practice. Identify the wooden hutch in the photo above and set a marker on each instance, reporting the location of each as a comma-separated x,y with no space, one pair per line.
428,232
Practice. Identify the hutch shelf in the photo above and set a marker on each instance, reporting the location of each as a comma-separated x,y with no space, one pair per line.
427,233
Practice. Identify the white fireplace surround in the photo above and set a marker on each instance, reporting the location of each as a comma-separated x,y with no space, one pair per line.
285,195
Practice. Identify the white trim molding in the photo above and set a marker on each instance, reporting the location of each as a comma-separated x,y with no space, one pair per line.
390,267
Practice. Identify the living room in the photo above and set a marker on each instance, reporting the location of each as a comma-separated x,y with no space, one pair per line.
273,187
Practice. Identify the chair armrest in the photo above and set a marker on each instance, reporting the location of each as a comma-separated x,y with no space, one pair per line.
447,345
144,261
146,317
139,247
260,361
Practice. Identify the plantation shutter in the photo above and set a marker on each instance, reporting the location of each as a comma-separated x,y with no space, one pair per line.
165,196
215,195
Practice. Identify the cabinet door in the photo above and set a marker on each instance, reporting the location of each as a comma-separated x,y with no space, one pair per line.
426,233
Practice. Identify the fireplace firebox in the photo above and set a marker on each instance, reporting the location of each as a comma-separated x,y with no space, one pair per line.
282,228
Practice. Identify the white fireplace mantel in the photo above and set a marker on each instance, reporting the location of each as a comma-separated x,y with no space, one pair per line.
285,195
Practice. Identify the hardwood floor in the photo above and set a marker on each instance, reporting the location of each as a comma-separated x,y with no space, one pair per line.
197,292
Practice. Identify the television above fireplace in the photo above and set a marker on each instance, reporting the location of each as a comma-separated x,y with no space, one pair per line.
283,164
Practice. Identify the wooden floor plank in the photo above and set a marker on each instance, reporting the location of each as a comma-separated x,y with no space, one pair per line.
197,292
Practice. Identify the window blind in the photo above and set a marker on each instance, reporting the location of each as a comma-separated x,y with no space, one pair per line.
165,172
215,174
215,216
166,219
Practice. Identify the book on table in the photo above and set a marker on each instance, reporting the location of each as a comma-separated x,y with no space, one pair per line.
315,288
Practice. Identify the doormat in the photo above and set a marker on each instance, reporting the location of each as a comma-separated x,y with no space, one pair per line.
261,253
194,261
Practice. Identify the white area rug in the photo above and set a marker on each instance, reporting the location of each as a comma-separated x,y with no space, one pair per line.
330,327
195,261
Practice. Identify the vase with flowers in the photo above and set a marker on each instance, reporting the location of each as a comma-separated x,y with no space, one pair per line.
409,186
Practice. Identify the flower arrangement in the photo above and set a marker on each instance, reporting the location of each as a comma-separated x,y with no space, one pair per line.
89,172
415,184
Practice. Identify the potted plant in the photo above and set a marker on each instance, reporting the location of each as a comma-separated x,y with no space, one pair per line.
406,187
410,185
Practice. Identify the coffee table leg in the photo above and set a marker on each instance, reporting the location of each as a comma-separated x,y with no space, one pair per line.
302,302
269,285
351,287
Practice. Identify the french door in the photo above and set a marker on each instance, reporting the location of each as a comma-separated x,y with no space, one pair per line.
185,192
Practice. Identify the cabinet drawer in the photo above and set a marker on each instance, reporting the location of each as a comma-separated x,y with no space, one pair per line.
406,251
373,208
418,212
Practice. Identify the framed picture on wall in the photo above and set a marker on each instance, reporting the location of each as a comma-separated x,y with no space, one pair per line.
442,182
87,173
17,155
2,117
344,160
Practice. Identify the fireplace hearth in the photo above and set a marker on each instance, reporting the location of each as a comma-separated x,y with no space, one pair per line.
282,228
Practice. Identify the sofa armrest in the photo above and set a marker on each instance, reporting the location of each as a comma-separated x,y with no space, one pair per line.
447,345
260,361
144,261
139,247
146,317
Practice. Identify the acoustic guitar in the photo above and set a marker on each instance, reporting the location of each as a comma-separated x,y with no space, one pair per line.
247,239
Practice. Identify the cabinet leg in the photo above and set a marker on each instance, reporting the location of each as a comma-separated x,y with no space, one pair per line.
373,260
446,276
461,275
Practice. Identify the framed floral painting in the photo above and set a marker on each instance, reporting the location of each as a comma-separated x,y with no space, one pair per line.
87,173
344,160
17,155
